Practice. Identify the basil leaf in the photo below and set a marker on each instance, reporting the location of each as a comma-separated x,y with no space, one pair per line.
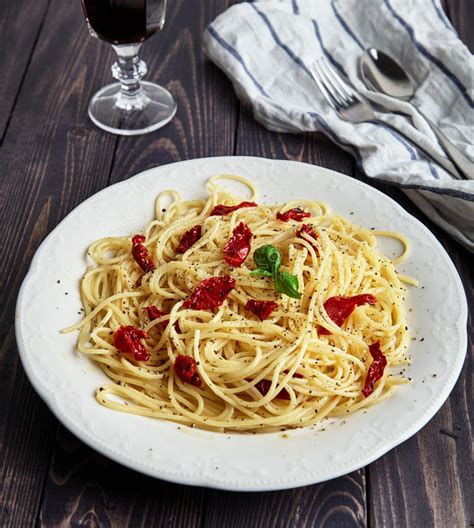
288,284
267,258
263,273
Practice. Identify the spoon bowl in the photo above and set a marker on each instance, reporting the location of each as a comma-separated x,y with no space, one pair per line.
384,74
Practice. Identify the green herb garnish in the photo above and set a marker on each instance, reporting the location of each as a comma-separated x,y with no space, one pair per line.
287,283
268,261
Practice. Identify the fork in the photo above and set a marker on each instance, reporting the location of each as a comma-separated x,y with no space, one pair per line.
350,106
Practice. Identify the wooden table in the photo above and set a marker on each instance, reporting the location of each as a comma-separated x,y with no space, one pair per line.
51,159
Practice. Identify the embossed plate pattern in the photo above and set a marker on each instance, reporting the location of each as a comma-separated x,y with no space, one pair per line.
67,381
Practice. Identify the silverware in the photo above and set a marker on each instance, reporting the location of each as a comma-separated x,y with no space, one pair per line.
381,73
351,107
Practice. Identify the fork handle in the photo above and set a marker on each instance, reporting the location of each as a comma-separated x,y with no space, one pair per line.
459,160
447,165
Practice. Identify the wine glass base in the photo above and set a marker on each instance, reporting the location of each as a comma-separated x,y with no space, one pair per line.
150,109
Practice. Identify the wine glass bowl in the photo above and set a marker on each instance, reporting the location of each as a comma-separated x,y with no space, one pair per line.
130,106
124,21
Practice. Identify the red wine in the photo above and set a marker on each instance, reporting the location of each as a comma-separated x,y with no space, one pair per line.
124,21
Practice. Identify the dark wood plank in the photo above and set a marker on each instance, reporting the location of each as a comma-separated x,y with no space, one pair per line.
48,169
20,24
461,14
413,483
83,487
86,489
339,502
52,158
336,503
207,108
426,480
255,140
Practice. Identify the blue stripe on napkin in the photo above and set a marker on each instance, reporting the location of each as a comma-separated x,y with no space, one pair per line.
281,44
328,55
413,153
338,30
439,11
429,56
345,25
234,53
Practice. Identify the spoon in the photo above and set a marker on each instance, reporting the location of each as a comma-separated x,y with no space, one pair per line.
381,73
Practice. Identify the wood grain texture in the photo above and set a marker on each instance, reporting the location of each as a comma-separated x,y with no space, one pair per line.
19,36
339,502
252,139
461,14
86,489
52,158
426,481
82,487
205,98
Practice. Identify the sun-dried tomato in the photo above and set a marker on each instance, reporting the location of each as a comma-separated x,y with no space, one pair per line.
261,309
141,255
376,368
127,339
138,239
263,386
308,230
189,239
238,247
154,313
340,308
224,210
295,375
185,369
296,214
210,293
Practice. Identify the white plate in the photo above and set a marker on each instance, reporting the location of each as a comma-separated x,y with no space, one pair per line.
67,381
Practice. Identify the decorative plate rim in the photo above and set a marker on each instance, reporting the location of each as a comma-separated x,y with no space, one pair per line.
201,478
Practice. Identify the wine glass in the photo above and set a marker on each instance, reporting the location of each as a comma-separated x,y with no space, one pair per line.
130,106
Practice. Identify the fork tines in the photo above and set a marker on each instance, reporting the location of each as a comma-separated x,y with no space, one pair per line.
336,91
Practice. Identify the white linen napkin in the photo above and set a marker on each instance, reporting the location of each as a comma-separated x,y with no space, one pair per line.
266,47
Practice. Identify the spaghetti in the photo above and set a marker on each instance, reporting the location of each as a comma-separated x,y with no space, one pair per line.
308,317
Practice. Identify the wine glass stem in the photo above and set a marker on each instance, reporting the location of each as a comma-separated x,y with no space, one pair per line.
129,69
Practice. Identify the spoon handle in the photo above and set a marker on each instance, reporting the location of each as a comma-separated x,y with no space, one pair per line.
445,163
458,159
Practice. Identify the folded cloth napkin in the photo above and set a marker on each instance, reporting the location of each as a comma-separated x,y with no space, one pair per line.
267,47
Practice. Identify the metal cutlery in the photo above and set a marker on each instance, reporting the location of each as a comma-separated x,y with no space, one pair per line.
351,107
383,74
